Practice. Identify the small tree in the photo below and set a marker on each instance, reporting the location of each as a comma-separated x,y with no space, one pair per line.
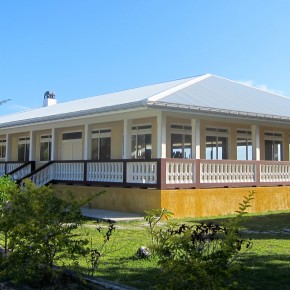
7,189
153,217
41,233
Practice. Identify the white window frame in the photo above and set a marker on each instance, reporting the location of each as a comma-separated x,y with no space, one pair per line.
274,136
69,140
218,131
3,143
99,133
247,135
140,129
45,138
181,129
23,140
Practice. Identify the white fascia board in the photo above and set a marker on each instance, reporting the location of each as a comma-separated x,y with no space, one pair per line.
219,112
184,85
56,121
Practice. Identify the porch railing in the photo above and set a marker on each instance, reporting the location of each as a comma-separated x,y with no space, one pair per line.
17,170
165,173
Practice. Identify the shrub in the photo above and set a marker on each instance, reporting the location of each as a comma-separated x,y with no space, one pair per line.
201,256
40,231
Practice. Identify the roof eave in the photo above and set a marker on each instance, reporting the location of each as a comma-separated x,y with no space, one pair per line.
220,112
73,115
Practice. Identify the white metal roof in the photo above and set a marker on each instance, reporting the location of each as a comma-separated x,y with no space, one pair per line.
206,93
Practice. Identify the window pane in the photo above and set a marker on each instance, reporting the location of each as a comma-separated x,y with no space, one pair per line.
2,151
105,148
95,147
27,152
45,151
134,147
187,146
222,148
216,147
268,149
211,145
148,146
244,149
141,146
72,135
21,152
277,151
176,145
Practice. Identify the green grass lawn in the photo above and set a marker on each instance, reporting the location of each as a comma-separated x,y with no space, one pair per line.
266,266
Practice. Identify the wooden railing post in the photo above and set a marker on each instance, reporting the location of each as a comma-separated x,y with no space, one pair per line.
124,173
197,173
161,173
258,172
85,171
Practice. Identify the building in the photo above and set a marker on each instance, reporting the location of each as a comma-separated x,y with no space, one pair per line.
194,145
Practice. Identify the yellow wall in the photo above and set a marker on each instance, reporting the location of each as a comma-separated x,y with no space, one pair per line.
187,202
119,199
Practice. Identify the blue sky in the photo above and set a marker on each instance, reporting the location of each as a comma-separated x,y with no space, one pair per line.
85,48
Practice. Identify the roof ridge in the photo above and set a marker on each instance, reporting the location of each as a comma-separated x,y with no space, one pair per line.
172,90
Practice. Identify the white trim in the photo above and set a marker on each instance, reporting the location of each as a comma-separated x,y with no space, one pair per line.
161,135
196,146
256,142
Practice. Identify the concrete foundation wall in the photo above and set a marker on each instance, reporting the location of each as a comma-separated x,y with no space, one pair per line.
187,202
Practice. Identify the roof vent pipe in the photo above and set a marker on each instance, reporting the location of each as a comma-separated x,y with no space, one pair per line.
49,99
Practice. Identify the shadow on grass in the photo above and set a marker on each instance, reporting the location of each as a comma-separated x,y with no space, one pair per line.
264,226
265,272
132,272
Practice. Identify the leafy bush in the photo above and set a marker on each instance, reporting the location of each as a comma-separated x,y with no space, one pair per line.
39,230
201,256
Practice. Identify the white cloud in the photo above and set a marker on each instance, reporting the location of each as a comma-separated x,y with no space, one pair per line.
261,87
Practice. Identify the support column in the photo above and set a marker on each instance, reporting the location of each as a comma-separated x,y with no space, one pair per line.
32,146
127,127
256,152
8,153
87,143
54,142
195,149
161,135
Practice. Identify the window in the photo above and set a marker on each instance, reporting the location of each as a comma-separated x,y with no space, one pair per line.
71,135
141,142
45,148
289,147
244,145
273,146
23,149
2,148
181,141
216,143
101,144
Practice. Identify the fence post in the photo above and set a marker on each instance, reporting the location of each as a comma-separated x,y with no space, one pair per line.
197,173
258,172
161,173
124,173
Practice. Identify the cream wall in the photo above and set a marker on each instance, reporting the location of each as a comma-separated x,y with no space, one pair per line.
115,122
